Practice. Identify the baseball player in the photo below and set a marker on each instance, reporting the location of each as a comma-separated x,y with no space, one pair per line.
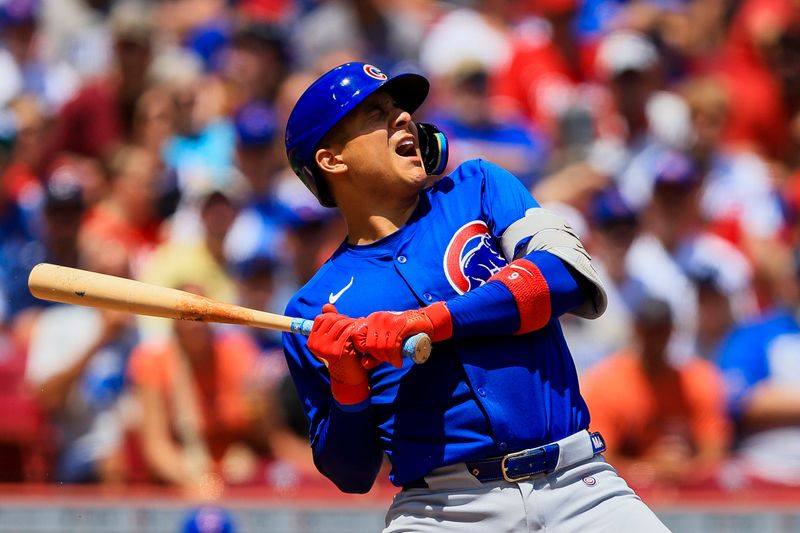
491,433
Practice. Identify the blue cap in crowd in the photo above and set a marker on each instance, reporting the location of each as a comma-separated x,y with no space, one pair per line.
18,12
260,263
208,41
63,190
609,207
255,124
208,520
674,169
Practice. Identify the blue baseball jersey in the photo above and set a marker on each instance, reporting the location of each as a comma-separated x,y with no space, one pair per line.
482,393
766,349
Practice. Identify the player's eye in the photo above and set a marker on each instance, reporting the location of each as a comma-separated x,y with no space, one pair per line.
376,111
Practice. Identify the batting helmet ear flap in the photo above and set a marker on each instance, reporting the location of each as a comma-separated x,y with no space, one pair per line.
434,148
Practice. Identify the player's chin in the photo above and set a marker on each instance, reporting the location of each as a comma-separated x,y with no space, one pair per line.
412,167
419,178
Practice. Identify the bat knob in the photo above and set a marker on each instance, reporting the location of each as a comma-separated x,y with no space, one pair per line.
417,348
302,326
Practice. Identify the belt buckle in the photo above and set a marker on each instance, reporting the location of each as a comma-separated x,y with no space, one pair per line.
504,471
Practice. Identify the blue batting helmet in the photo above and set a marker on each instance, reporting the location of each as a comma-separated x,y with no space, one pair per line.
328,100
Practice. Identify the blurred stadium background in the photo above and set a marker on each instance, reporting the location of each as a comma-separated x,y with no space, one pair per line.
145,139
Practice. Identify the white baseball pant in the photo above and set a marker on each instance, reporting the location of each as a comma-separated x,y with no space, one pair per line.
584,494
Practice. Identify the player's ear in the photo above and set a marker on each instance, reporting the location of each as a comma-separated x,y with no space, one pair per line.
330,160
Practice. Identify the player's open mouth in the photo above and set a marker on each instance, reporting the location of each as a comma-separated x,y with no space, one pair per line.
406,148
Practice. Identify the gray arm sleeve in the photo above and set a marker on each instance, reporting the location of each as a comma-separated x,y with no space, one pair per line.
550,233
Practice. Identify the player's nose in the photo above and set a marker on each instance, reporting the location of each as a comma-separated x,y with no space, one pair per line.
402,119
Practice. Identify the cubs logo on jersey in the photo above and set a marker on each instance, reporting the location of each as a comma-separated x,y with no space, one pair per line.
471,258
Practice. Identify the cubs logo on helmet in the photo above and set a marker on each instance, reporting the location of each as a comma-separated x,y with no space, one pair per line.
471,258
374,72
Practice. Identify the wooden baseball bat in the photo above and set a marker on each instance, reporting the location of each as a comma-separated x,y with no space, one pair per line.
82,287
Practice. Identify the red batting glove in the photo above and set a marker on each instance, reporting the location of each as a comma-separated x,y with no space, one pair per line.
331,342
381,334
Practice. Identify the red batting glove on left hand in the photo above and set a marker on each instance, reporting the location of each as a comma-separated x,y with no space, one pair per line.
381,334
331,342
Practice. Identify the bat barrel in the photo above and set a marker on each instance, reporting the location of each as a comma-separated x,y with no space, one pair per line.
74,286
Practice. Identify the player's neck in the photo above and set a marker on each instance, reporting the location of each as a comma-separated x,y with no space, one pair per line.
368,223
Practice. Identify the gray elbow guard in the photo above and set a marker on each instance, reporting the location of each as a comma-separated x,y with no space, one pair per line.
550,233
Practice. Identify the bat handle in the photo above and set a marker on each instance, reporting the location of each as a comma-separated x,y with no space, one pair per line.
417,347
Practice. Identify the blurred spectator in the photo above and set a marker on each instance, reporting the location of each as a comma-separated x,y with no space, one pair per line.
259,230
487,42
759,68
258,156
21,177
282,428
292,465
723,282
153,127
760,364
669,223
650,120
614,227
128,214
26,68
201,262
255,284
197,396
201,148
673,238
154,120
663,425
715,316
76,366
99,118
738,197
548,74
382,33
629,63
63,209
473,131
202,26
19,251
208,519
256,63
78,33
314,234
24,436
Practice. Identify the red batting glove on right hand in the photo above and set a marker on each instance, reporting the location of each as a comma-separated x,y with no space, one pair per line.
381,334
331,342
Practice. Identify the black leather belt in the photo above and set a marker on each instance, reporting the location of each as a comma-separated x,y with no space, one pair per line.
516,466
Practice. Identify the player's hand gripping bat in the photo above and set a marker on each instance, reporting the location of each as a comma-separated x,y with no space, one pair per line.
81,287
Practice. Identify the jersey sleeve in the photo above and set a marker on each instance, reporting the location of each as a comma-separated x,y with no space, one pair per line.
542,288
504,199
529,293
345,447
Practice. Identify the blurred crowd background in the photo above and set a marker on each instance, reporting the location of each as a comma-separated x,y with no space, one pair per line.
145,139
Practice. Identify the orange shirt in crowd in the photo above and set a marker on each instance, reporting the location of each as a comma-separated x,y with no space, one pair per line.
635,413
102,224
223,392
